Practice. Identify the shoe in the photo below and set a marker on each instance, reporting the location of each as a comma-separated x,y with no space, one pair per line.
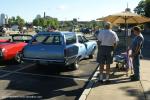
107,82
133,78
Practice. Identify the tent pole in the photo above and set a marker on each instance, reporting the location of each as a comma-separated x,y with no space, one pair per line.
126,34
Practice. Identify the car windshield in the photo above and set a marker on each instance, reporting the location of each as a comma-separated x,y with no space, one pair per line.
48,39
21,38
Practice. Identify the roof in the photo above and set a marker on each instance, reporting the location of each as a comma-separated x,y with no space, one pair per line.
57,32
20,35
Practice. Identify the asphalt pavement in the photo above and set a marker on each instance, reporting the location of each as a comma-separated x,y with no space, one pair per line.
28,81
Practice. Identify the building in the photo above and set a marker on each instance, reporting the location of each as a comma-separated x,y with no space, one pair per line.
3,19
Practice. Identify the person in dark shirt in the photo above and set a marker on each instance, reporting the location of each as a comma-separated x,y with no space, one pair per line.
136,47
96,31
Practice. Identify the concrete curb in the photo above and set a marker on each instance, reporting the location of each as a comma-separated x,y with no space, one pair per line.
89,85
145,82
143,90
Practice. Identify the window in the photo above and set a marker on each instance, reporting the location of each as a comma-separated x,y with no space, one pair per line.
70,38
53,40
84,39
39,39
80,39
21,38
48,39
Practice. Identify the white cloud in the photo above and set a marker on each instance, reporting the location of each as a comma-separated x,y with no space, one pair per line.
61,7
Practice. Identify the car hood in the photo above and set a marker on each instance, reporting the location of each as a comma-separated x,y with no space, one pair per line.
3,40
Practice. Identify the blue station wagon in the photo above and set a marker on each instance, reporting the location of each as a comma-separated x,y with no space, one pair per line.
66,48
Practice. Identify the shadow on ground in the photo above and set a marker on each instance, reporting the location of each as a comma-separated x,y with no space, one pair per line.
43,87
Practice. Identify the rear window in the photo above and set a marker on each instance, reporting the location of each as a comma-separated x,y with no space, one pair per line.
70,38
48,39
21,37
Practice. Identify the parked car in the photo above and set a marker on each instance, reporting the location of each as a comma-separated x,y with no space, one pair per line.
66,48
11,48
2,30
4,40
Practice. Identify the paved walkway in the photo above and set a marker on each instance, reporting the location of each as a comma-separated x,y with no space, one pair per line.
121,88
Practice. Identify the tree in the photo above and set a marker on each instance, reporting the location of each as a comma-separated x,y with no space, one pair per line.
36,22
20,22
46,22
12,21
140,9
143,8
75,21
16,21
147,8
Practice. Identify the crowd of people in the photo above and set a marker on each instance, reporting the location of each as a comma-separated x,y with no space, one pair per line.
107,41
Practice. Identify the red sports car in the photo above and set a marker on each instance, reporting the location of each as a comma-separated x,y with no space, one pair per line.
4,40
11,48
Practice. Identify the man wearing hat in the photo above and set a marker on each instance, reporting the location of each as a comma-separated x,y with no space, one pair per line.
107,41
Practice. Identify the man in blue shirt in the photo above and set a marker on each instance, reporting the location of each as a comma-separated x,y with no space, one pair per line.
136,46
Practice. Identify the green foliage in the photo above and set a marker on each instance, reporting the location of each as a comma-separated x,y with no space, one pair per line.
46,22
74,21
147,8
16,21
140,9
143,8
20,22
11,21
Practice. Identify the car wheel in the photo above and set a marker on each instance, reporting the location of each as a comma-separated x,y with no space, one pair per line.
38,64
117,66
18,58
91,56
75,65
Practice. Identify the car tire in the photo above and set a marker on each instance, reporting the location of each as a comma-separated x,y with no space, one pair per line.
75,65
18,58
38,64
91,56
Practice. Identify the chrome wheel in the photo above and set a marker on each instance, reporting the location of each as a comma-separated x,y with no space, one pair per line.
75,65
18,58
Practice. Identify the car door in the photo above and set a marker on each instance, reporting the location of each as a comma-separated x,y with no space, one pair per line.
87,45
50,48
82,47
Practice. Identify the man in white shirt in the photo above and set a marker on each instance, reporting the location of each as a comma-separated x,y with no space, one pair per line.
107,42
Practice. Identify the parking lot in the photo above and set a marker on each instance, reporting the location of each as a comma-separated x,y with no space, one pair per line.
29,81
44,82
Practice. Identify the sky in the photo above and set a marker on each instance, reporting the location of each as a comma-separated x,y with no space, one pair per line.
82,10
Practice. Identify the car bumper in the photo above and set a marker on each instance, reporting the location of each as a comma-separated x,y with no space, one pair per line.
65,61
1,58
35,60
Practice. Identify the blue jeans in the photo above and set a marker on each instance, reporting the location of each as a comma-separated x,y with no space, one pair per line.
136,66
